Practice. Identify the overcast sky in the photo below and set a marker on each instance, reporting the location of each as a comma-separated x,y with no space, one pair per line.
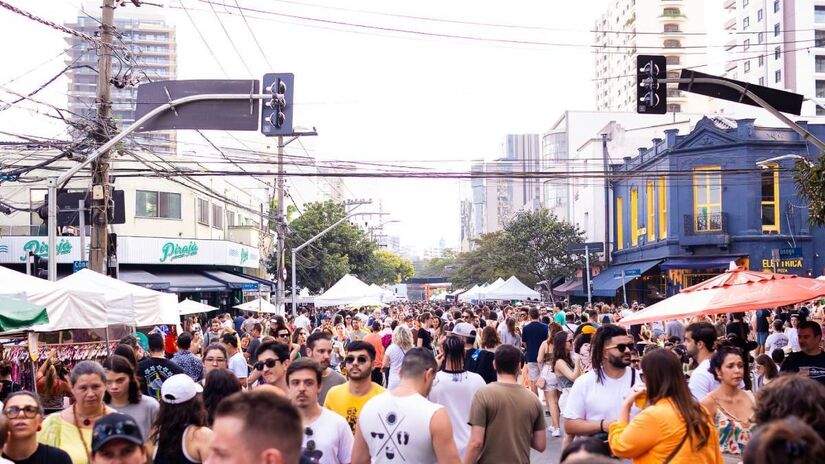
372,94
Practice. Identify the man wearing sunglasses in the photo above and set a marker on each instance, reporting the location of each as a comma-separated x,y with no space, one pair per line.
597,396
348,398
327,436
116,438
273,360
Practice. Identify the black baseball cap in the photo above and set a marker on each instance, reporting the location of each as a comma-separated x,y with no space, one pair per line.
115,426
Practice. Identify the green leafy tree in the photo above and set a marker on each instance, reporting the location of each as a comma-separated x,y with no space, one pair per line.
436,267
485,263
387,267
810,182
344,249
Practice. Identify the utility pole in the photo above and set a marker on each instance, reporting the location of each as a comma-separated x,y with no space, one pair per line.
98,253
280,226
606,202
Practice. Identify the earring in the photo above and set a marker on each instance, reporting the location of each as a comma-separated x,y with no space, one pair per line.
39,428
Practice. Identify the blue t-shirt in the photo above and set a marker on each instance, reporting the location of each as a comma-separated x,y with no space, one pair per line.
532,335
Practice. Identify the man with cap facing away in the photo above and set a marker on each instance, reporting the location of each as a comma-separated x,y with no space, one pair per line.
116,438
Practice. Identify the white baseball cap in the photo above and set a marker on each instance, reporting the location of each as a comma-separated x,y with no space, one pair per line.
464,329
178,389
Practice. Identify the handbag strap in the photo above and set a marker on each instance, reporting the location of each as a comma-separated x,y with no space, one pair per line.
676,450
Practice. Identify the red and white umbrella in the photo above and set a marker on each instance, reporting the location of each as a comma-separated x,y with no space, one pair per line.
736,290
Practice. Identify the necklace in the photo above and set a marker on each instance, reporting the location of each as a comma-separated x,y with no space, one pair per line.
87,421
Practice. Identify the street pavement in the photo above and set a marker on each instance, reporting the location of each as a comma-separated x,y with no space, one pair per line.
551,454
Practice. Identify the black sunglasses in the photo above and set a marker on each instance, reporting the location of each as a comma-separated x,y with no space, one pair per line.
351,359
622,347
283,334
29,412
128,428
270,363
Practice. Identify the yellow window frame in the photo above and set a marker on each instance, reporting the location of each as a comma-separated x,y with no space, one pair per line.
651,211
704,173
619,223
774,167
662,208
634,216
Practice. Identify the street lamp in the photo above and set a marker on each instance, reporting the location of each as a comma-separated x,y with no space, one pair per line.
765,164
305,244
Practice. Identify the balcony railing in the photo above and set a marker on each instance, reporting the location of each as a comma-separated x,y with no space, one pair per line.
705,229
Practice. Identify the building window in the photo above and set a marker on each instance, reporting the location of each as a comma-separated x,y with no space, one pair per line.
203,211
747,66
651,211
746,21
707,199
760,37
819,38
671,12
671,27
761,60
672,60
157,204
776,29
662,208
777,76
634,216
770,198
619,223
759,15
777,52
820,111
674,108
820,89
230,218
745,2
761,81
819,14
775,6
671,43
820,63
746,44
217,216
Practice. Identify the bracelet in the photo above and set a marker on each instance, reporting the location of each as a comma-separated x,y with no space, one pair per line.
601,426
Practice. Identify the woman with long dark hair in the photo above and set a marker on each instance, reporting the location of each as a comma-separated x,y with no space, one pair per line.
765,370
673,427
123,394
731,407
220,383
215,357
548,380
565,370
180,434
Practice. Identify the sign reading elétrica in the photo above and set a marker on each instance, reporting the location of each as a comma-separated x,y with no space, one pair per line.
138,250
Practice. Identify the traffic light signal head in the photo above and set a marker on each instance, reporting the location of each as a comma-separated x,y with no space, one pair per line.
276,113
650,93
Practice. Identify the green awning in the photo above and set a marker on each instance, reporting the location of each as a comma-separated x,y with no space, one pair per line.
16,314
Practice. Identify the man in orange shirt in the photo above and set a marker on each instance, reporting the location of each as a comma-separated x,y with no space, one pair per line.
374,339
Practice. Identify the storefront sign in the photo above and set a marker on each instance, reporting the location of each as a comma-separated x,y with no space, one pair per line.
173,251
40,248
783,266
790,253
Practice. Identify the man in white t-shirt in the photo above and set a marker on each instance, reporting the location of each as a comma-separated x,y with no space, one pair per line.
302,320
596,397
327,436
778,339
454,388
792,333
237,361
700,338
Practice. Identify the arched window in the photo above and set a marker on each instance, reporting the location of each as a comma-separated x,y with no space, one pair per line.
671,43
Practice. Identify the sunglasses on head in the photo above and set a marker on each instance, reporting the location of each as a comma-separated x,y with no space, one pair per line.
270,363
352,359
29,411
622,347
102,432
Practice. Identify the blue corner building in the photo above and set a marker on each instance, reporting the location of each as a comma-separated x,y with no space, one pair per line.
687,206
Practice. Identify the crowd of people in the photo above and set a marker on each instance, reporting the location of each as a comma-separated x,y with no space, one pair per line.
422,383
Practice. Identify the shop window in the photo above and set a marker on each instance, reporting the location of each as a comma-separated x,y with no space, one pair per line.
770,198
157,204
707,199
634,216
203,211
662,208
619,223
651,211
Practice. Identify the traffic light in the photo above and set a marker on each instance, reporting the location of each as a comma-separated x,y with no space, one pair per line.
276,113
651,96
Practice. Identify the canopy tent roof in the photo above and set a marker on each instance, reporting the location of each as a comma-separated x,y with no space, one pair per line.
17,314
303,297
259,305
471,294
349,291
187,307
145,307
736,290
385,295
143,279
568,287
67,309
512,289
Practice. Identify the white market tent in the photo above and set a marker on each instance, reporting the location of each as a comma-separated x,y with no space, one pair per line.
259,305
303,297
349,291
187,307
490,288
127,303
512,289
439,297
67,309
386,296
471,294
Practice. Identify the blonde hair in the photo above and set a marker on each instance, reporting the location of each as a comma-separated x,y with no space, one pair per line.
402,337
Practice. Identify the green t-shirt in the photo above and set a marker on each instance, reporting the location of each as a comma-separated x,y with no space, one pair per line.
560,318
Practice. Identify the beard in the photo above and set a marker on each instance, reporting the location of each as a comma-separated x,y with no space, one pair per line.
618,362
364,373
